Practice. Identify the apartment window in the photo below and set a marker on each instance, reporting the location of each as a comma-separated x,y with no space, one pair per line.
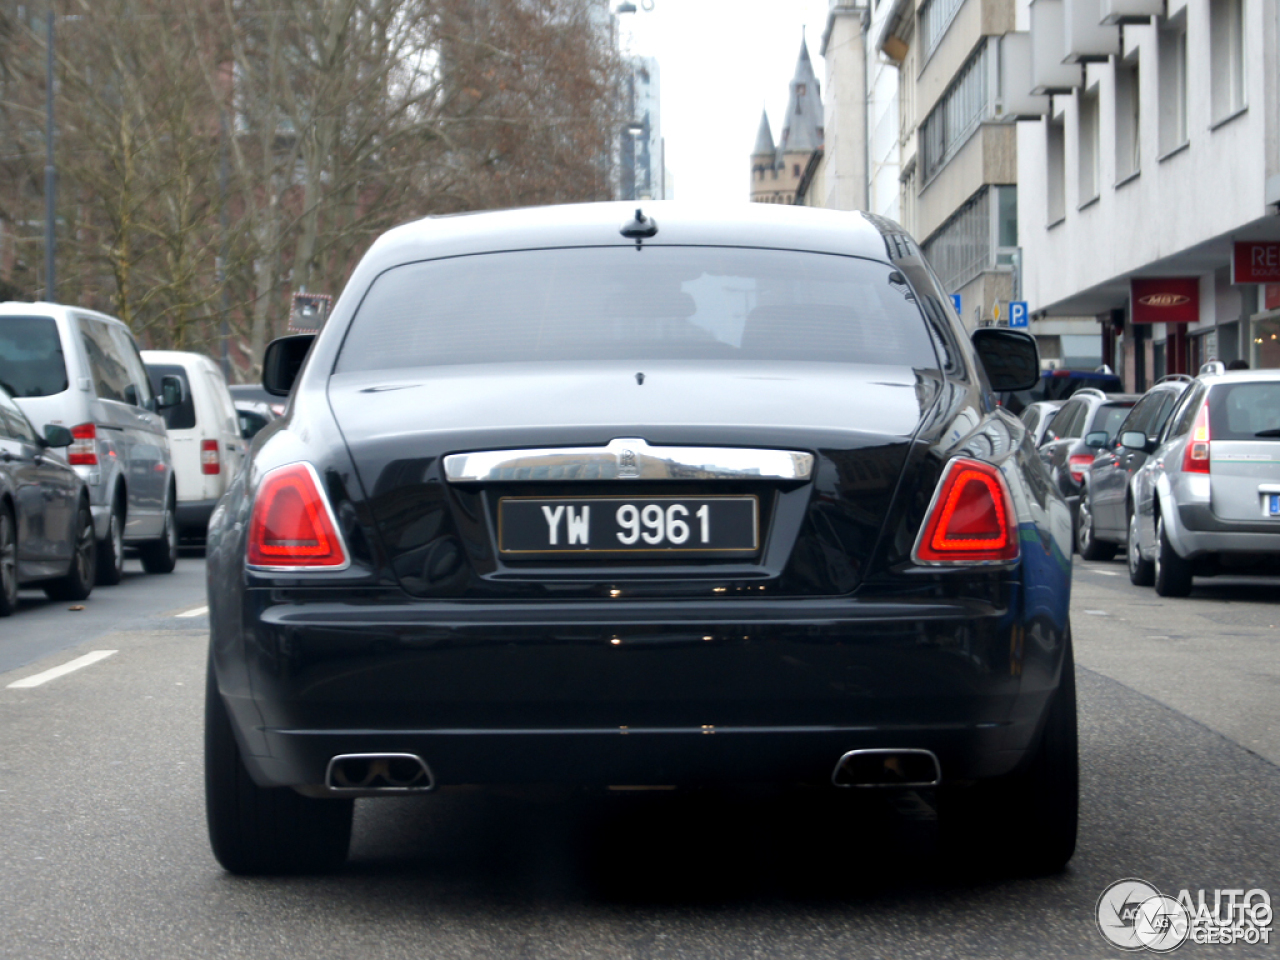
1226,52
982,235
1056,175
935,17
1087,144
957,114
1128,119
1172,54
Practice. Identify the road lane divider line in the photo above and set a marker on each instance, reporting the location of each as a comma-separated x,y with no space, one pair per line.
69,667
197,612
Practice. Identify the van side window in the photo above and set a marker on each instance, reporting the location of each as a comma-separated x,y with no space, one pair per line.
133,364
110,375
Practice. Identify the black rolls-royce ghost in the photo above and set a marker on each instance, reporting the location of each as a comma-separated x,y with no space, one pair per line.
670,496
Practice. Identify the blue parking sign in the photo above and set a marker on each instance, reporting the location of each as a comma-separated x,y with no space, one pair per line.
955,302
1018,313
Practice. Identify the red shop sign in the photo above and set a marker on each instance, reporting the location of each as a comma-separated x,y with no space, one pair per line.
1256,262
1165,299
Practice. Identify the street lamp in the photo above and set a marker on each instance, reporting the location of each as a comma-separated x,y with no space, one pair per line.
50,171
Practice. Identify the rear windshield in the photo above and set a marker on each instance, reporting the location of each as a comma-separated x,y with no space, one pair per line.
1245,411
617,303
31,361
1109,417
183,416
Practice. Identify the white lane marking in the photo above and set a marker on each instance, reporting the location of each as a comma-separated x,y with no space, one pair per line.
1105,573
1096,613
69,667
197,612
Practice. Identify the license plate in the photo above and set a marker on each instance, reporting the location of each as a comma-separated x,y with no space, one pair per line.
1273,507
628,525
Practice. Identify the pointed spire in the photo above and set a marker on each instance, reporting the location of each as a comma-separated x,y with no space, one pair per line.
802,126
764,138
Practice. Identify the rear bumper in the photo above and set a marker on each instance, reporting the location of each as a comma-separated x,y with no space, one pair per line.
1197,531
641,694
193,516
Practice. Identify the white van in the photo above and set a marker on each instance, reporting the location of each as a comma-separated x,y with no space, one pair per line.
79,369
204,433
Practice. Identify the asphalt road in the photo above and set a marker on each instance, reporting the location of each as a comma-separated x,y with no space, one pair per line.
104,850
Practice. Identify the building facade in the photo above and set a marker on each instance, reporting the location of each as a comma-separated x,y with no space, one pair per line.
1151,182
641,148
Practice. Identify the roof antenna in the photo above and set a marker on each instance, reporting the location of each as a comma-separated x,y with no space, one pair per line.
640,228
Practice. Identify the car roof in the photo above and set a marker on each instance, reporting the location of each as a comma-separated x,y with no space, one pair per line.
679,223
25,308
1238,376
179,357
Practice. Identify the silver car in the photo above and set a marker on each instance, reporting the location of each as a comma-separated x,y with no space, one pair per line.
1208,499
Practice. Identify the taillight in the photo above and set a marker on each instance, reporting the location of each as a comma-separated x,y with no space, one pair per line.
292,525
971,519
1077,464
1195,458
209,462
83,451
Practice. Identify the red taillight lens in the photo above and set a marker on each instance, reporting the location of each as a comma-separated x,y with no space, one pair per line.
83,451
1077,464
1195,457
209,462
292,525
971,519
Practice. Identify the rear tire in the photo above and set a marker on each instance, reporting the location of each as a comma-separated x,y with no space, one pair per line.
111,550
1089,546
1142,572
1172,572
8,562
1024,822
264,830
161,556
78,583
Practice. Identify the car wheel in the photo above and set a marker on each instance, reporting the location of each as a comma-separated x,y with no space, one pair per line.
1172,572
1089,546
1142,571
8,563
264,830
161,556
78,583
1024,822
111,550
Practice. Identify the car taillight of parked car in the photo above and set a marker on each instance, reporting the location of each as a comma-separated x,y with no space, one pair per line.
83,451
971,519
292,525
209,461
1077,464
1195,458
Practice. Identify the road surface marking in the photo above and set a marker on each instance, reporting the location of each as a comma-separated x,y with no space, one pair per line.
1096,613
1105,573
69,667
197,612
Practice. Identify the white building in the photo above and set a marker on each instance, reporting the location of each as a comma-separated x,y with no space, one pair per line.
642,160
1156,160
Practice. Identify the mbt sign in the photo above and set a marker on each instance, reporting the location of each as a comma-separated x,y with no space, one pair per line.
1165,299
1256,262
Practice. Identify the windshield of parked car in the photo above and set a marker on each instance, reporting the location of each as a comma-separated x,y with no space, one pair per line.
615,303
31,360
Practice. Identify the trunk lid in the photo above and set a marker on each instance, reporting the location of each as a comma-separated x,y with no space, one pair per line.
1244,423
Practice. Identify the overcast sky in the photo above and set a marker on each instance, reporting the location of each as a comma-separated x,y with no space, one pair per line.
720,62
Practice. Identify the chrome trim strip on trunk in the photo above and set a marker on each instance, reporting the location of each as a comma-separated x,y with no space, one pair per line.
627,459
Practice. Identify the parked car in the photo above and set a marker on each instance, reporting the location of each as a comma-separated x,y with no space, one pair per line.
204,432
1066,452
81,370
253,416
624,479
1208,498
1061,385
254,392
1038,416
46,526
1106,497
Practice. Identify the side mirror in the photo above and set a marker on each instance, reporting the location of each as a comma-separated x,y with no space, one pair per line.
1098,440
283,361
1134,440
173,392
1010,358
56,436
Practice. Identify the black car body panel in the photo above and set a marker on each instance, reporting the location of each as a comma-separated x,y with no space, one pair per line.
641,671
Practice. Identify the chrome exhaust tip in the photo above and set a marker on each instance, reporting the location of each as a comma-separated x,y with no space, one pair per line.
378,774
887,768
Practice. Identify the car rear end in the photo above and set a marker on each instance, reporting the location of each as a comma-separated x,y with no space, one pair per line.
813,557
1221,499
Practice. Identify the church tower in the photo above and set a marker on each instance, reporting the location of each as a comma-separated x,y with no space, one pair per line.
775,180
764,163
